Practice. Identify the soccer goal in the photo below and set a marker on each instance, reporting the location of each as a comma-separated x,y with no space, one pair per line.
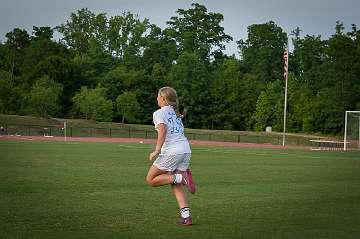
352,130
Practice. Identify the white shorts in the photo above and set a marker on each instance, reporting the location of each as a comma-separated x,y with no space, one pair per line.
172,162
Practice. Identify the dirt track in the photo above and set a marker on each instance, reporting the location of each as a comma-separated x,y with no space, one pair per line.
145,141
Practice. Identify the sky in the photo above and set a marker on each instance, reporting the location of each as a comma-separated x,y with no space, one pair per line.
313,17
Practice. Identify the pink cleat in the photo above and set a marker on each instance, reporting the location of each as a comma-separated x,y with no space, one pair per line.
185,221
188,181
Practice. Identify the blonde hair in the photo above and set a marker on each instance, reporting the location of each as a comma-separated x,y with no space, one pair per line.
170,96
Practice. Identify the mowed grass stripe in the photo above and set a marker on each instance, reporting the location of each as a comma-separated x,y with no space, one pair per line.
98,190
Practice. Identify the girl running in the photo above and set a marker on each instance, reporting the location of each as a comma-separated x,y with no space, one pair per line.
172,153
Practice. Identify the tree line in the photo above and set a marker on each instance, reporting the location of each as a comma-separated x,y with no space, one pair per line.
110,68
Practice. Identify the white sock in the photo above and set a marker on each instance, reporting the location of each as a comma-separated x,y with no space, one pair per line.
177,178
185,212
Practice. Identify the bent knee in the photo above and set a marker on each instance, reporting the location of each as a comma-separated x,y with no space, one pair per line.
150,181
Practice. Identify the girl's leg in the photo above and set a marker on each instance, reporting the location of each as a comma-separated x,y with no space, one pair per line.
157,177
180,195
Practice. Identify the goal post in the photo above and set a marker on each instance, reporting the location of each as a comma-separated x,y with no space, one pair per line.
352,130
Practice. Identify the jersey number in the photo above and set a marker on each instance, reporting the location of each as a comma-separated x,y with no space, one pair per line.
176,125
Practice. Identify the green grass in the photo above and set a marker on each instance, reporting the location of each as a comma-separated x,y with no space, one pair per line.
78,123
98,190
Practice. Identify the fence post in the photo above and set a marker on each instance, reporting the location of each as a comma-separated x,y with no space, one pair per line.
50,131
70,131
146,134
110,131
29,130
129,134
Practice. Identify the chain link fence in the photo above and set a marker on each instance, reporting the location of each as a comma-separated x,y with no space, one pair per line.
240,137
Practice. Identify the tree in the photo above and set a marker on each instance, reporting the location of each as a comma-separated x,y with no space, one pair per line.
159,50
308,56
38,47
44,98
7,94
196,29
41,33
191,78
59,69
79,30
17,39
327,80
262,51
92,104
125,35
3,54
269,107
121,79
127,106
234,96
339,80
16,42
120,36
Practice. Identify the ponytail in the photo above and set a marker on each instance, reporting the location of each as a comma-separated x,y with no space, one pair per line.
170,96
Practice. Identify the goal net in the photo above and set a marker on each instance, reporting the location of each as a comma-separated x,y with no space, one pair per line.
352,130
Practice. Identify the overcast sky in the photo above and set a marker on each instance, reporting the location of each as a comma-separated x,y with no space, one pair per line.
314,17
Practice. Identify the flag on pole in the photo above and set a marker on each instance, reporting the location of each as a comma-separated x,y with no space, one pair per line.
286,63
62,126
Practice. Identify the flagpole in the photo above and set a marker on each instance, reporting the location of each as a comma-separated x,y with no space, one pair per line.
65,130
286,64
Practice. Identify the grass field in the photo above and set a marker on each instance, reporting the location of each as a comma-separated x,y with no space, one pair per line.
98,190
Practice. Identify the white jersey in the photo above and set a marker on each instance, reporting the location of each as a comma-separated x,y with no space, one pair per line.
175,140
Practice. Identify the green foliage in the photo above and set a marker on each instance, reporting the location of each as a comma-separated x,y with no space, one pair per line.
262,51
127,106
159,49
300,107
120,79
132,58
92,104
41,33
269,107
119,36
78,31
17,39
327,78
308,56
6,93
43,98
191,78
196,29
233,94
